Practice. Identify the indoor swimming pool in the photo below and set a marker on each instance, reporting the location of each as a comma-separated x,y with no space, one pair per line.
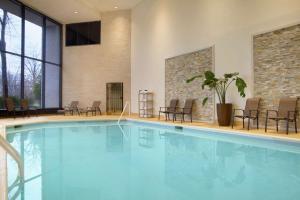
101,160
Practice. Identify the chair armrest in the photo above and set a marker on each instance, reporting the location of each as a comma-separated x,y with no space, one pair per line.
294,111
238,109
256,112
178,108
276,111
67,107
163,108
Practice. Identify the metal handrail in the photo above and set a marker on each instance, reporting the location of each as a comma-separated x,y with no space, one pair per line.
124,109
15,155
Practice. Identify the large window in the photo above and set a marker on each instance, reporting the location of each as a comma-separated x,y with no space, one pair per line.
30,56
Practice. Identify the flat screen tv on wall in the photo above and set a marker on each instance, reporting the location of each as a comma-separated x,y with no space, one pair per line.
86,33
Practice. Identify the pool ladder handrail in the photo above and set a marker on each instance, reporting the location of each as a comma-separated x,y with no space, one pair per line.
9,149
127,103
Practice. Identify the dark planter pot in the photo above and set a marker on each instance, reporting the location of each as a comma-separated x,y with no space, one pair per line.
224,112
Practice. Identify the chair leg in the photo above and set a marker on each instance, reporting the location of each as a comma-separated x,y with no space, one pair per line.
243,122
191,118
232,122
248,123
158,115
182,118
277,125
266,123
287,126
296,125
257,122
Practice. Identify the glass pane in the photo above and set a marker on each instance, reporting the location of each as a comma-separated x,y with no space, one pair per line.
33,35
13,76
11,24
33,82
1,86
52,42
52,80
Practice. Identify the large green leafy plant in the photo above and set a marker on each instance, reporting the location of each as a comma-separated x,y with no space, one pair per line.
221,85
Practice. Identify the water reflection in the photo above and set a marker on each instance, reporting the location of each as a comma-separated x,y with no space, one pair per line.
212,169
114,139
98,162
146,137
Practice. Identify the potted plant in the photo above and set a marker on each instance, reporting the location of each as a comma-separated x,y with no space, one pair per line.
220,86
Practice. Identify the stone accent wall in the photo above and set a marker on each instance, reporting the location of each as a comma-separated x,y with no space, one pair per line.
277,66
178,70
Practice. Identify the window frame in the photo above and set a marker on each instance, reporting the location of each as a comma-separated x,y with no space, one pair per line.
43,60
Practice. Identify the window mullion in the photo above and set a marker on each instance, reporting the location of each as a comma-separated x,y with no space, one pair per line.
43,62
22,52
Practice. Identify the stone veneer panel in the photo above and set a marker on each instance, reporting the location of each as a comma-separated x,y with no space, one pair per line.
178,70
277,66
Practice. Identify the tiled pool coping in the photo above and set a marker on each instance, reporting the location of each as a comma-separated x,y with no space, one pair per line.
233,132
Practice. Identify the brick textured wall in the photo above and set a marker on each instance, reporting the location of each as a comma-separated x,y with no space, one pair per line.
183,67
87,69
277,66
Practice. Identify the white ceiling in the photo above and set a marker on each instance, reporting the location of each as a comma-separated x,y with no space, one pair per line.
88,10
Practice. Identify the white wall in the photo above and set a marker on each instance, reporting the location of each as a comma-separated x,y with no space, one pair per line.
166,28
87,69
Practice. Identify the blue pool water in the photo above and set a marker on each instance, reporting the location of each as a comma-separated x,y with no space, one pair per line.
99,161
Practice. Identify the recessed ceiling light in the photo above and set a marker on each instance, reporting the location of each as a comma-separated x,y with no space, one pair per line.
76,12
116,7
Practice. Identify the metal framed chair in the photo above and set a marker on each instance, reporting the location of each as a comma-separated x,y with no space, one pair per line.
94,108
72,108
24,107
169,109
186,110
287,111
10,107
251,111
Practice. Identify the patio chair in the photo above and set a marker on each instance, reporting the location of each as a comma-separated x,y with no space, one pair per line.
287,111
26,109
10,107
94,108
186,110
168,110
73,107
250,112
